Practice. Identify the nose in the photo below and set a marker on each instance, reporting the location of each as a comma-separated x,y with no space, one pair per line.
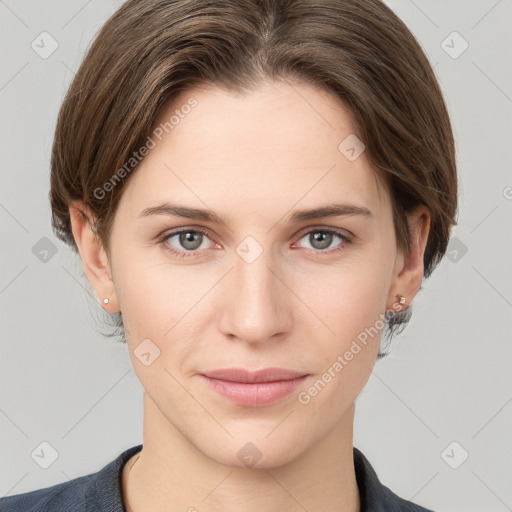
256,304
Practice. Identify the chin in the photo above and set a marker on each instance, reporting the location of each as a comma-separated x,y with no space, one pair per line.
256,454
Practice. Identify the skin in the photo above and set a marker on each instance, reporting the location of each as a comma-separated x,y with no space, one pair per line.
254,159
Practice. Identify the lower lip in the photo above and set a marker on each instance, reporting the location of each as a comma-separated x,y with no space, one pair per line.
256,394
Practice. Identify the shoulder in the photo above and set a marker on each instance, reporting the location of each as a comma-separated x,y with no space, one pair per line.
63,496
94,492
375,496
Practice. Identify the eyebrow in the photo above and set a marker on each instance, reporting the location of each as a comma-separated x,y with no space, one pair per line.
331,210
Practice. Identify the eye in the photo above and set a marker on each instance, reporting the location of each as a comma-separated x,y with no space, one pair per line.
321,239
185,242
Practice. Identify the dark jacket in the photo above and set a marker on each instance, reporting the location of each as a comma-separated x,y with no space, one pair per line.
101,492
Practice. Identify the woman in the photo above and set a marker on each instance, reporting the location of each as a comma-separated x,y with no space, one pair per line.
256,190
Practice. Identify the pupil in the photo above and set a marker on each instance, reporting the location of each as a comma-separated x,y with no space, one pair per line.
190,240
323,240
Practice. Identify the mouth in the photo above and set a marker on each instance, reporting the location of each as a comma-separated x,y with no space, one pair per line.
253,388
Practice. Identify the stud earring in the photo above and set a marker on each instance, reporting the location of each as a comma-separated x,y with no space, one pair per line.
401,299
105,301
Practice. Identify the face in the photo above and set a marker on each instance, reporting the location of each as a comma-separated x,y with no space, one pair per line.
259,284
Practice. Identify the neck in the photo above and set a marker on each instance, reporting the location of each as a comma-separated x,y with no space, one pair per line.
171,470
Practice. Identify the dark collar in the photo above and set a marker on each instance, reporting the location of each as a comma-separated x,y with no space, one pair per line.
376,497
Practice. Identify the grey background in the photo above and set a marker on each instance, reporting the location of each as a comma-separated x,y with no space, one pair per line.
448,378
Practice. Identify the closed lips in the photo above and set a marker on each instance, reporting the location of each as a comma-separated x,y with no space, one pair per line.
258,376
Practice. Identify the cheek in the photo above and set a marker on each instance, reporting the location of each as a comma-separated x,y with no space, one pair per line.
162,305
351,298
354,311
146,289
351,303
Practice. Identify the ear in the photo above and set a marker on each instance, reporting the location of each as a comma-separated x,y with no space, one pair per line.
93,255
408,272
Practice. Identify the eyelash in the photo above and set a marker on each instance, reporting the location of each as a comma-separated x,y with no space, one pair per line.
163,240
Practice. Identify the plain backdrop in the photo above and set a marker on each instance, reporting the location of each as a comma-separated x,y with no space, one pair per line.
435,417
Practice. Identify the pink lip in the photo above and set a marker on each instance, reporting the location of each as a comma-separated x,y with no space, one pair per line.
253,389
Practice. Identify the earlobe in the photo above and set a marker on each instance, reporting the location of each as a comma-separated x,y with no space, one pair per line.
93,256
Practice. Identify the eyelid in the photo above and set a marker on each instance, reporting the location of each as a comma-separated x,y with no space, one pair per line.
344,233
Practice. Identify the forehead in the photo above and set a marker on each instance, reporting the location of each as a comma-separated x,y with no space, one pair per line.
279,143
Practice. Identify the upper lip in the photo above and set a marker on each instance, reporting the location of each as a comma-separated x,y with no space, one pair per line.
243,375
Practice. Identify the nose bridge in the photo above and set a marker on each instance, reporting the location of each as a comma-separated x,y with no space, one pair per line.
255,310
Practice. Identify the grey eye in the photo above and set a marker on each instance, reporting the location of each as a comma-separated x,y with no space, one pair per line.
320,239
188,240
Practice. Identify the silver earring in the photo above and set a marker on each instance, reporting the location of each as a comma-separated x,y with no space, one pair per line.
401,299
105,301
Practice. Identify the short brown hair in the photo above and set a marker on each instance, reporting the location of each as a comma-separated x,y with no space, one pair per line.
358,50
